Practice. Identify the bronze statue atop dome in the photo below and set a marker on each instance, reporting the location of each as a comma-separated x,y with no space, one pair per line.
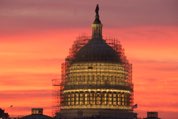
97,9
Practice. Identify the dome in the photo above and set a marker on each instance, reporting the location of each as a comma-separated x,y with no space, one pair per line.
36,116
97,50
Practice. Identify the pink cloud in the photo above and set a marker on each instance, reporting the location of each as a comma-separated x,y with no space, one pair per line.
23,16
31,98
35,38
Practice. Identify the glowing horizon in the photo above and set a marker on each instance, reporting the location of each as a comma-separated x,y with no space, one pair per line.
35,40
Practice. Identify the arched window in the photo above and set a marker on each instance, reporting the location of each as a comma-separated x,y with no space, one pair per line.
98,98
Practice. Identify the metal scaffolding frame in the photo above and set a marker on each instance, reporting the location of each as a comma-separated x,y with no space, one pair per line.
58,84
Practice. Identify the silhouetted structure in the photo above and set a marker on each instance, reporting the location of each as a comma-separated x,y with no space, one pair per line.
3,114
96,79
152,115
37,113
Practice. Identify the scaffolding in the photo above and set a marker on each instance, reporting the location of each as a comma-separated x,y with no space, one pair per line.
56,93
81,41
58,84
78,43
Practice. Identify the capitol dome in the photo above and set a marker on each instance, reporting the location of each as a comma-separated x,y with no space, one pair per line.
97,50
96,79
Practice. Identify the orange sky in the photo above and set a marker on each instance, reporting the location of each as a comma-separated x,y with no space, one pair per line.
30,56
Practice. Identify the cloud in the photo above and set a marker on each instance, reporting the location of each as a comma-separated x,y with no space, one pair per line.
159,65
27,80
161,114
36,36
19,15
24,94
24,100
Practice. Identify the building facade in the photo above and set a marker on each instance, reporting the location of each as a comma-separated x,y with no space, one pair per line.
36,113
96,79
152,115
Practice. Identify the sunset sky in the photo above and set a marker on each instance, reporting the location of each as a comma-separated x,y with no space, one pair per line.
35,37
